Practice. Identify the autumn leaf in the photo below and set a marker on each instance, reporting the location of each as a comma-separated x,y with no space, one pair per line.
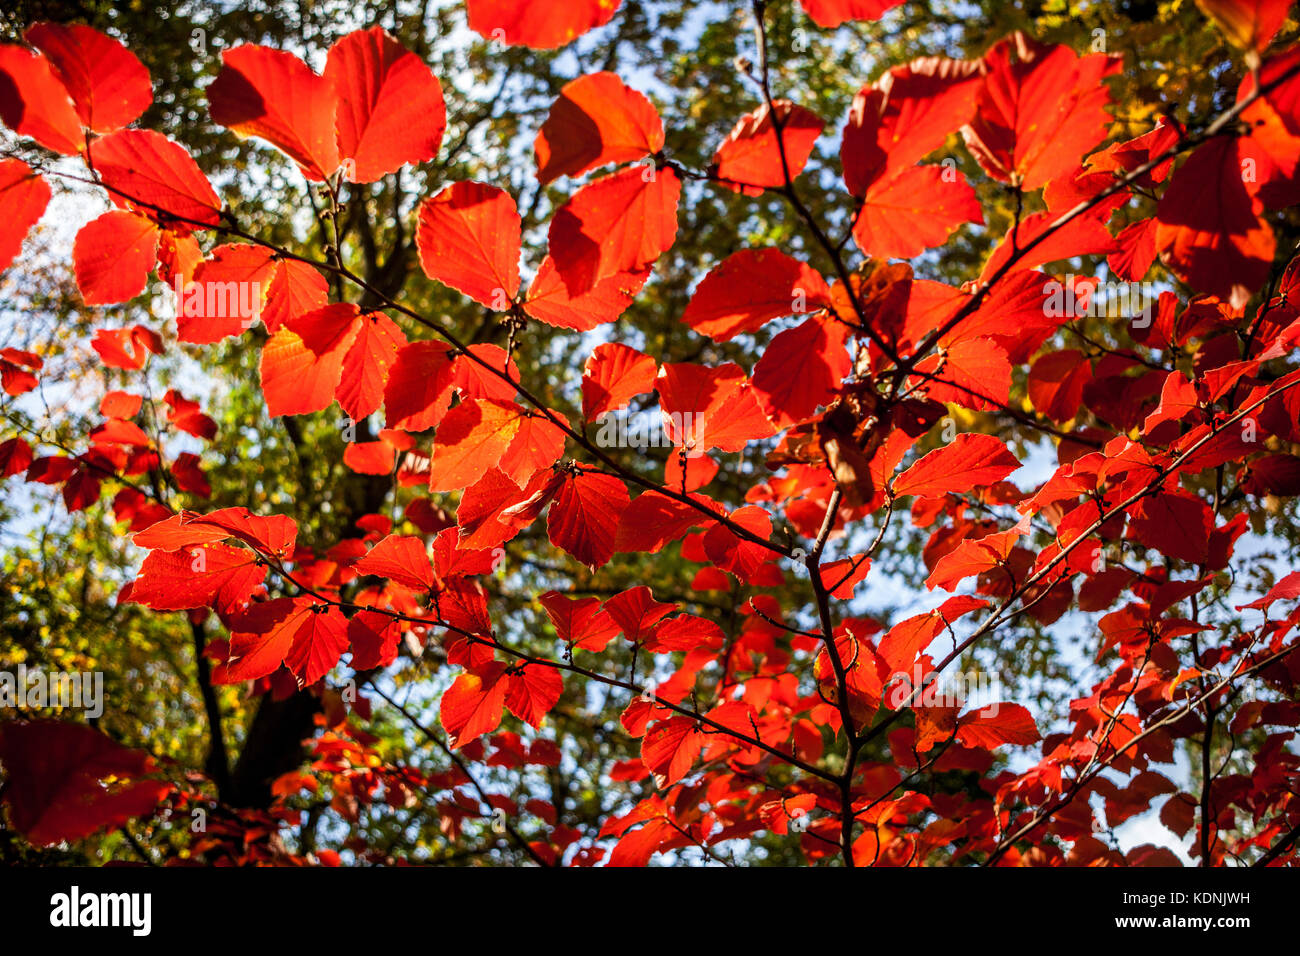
612,376
23,198
469,239
67,780
618,224
108,84
542,26
275,96
596,120
390,109
114,255
755,157
751,287
585,516
967,462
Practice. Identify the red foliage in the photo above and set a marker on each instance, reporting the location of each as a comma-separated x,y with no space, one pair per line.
843,396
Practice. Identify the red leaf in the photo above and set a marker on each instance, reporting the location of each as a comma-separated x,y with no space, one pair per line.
913,210
226,294
708,408
272,534
585,515
1273,474
973,372
549,301
670,748
210,575
34,103
472,705
366,366
475,373
14,374
374,637
126,348
1285,590
751,287
841,577
65,781
390,106
400,558
295,288
801,369
273,95
636,612
831,13
369,457
296,380
1056,383
689,473
965,463
1011,724
619,224
15,457
113,256
156,177
1248,24
1176,525
419,388
685,632
740,556
612,375
186,473
1041,109
1211,232
537,445
471,439
579,623
543,26
636,847
975,556
469,239
533,691
478,516
1137,250
23,198
654,519
751,158
595,121
906,115
178,256
306,637
109,86
1083,235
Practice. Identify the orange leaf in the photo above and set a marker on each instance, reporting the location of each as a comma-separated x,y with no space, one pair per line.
612,375
469,239
108,84
967,462
472,438
619,224
595,121
390,106
274,95
113,256
542,26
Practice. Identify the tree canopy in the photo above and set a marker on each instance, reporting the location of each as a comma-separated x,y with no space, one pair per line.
836,432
